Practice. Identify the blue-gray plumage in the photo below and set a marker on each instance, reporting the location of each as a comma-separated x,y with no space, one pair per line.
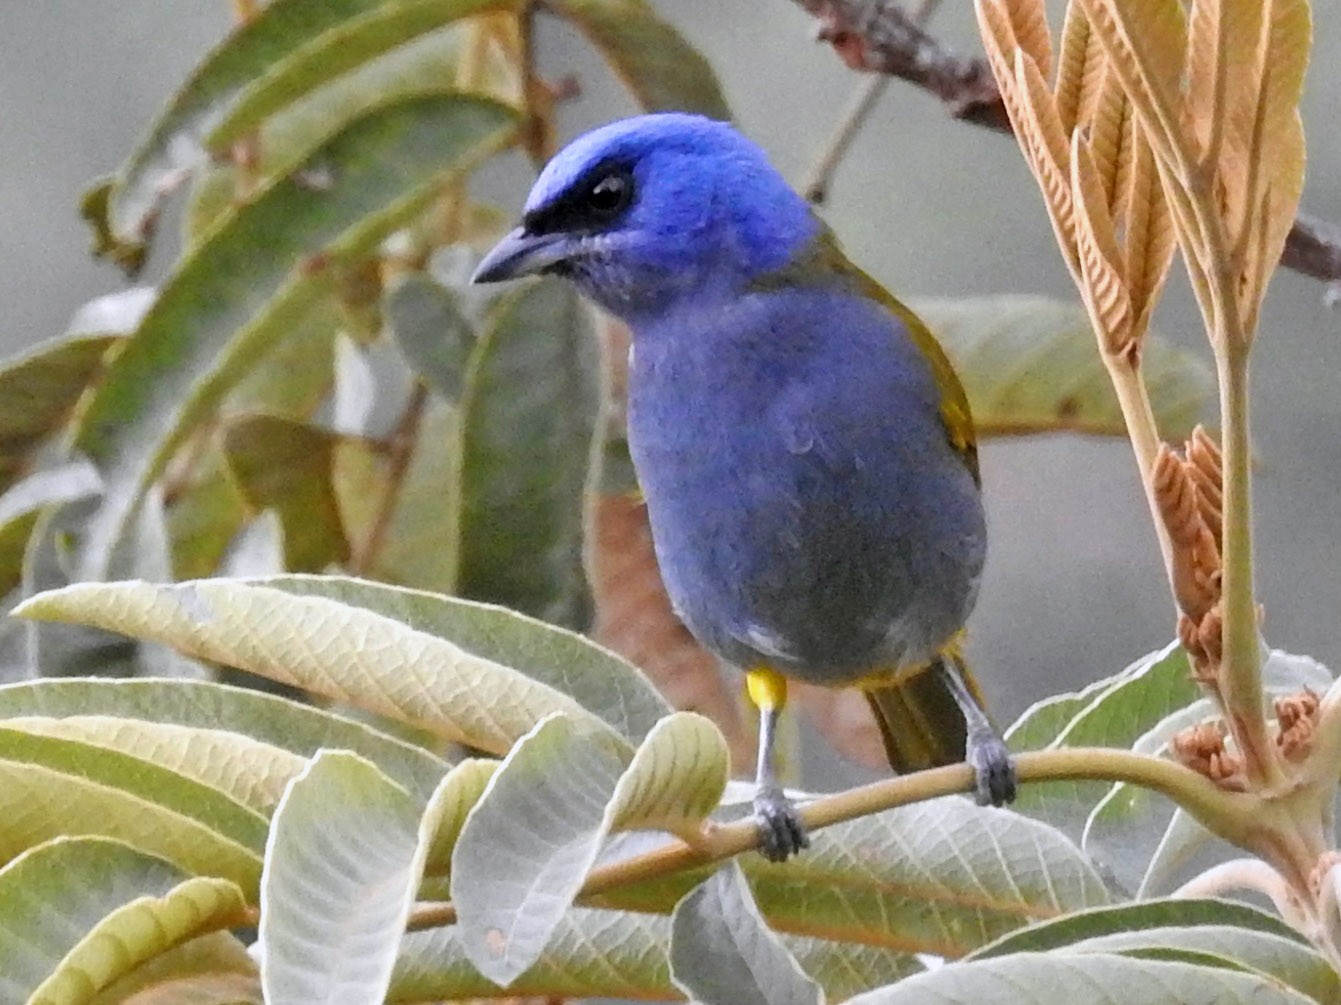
804,448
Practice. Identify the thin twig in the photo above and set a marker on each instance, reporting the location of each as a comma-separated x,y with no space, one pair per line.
882,38
1235,816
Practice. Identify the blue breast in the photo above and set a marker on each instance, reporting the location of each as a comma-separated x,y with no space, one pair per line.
807,508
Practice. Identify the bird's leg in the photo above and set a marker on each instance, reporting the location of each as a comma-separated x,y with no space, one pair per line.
985,751
780,829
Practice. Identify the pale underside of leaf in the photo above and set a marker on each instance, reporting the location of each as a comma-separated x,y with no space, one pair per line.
722,952
341,651
676,778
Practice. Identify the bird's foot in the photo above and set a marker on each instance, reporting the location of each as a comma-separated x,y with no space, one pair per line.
993,768
781,832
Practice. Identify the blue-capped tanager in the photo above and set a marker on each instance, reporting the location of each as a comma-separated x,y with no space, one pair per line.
804,447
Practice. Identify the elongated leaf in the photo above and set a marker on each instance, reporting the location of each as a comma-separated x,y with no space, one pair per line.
213,969
79,913
417,544
600,681
129,205
38,392
1283,958
722,953
234,295
529,417
527,846
343,652
321,57
1116,716
1030,365
251,772
205,518
432,331
286,465
603,953
1093,978
342,865
648,55
201,705
1147,916
23,502
51,787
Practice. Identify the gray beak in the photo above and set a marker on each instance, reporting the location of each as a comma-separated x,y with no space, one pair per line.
522,254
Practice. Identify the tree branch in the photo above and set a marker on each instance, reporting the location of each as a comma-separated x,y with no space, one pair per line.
881,37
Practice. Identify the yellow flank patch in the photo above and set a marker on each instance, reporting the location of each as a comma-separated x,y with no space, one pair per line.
767,688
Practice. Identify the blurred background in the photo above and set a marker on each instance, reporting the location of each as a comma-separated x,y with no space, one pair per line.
1074,589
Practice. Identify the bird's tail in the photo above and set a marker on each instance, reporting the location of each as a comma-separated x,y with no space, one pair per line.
922,724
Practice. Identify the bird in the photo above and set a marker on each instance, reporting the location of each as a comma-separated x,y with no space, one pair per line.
804,448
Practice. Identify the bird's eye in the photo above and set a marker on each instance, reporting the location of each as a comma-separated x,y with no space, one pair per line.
609,196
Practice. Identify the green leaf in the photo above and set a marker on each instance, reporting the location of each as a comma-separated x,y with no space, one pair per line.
432,332
653,60
126,207
213,969
1030,365
235,294
602,682
1116,715
455,797
342,865
50,787
527,846
417,546
722,953
344,652
382,27
676,778
1285,959
529,414
1146,916
38,393
249,771
289,725
204,519
23,502
286,465
1092,978
80,912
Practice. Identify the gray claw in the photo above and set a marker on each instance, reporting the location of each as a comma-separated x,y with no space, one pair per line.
993,769
781,832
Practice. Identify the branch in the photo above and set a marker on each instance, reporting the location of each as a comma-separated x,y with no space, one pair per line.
1241,818
881,37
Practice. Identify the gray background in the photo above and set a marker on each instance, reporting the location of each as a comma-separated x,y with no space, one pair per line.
1073,588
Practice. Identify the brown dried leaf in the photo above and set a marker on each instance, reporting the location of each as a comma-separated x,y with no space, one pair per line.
1147,225
1045,147
1073,62
1276,155
1145,42
634,618
1029,20
1103,288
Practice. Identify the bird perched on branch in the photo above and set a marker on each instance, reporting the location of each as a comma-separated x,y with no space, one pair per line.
804,447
